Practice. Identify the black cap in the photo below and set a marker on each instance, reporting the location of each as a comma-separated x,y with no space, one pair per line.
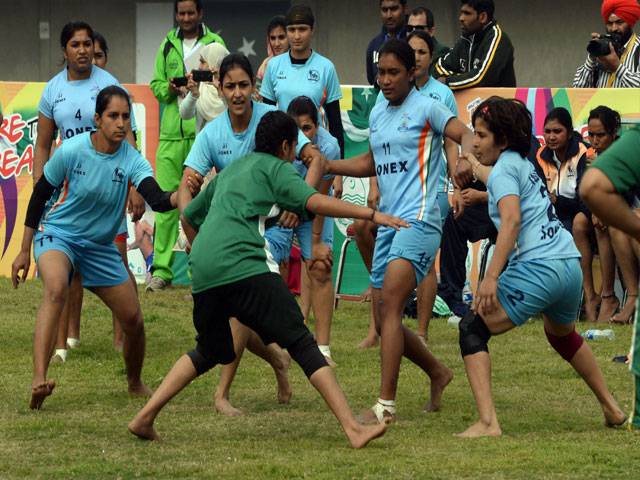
300,15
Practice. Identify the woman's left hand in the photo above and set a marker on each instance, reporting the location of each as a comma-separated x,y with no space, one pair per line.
21,263
486,299
136,205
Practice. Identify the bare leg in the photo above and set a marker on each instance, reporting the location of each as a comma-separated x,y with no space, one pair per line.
182,373
123,302
371,340
279,361
75,307
365,240
623,248
305,294
478,368
610,302
358,435
581,231
322,298
54,268
118,334
427,291
221,401
63,328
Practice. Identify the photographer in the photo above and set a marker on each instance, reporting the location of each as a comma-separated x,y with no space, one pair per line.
614,58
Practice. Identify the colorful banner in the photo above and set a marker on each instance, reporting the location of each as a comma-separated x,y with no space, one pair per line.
17,141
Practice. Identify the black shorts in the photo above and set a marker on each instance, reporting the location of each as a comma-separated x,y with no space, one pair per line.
261,302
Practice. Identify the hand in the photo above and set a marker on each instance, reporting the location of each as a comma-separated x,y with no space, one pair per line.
310,153
463,175
194,183
321,252
610,62
486,299
553,198
136,205
389,221
193,86
373,199
471,197
337,187
174,89
457,204
289,220
22,262
597,223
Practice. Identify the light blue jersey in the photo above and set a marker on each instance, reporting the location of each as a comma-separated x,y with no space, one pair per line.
328,146
72,104
316,78
217,145
407,168
542,236
93,189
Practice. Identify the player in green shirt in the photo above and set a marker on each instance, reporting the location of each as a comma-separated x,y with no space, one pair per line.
234,274
614,173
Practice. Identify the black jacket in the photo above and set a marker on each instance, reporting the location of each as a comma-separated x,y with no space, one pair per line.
372,52
484,59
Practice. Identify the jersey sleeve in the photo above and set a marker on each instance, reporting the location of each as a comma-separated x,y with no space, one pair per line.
450,102
140,167
290,191
197,211
302,142
267,89
55,170
620,163
504,181
201,157
438,115
334,92
45,106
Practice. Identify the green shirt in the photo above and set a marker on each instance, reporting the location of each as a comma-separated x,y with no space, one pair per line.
621,161
230,214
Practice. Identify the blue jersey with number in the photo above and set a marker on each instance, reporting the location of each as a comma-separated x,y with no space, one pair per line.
316,78
407,167
328,146
541,235
72,104
93,189
217,145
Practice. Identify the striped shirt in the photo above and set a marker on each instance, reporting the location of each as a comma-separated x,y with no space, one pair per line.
592,75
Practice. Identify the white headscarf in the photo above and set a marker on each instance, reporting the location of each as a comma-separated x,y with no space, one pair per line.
209,104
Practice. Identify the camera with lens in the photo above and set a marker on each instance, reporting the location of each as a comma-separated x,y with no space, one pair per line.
599,47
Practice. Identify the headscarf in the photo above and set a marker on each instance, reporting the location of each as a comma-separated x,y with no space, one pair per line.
627,10
209,104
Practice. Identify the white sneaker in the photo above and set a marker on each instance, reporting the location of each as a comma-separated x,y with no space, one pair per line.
156,284
73,342
453,321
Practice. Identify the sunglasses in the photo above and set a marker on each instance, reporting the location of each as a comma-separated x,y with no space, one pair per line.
411,28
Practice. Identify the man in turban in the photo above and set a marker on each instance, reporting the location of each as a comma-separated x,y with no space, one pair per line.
620,67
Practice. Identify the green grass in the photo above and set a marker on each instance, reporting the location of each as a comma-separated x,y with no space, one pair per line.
552,424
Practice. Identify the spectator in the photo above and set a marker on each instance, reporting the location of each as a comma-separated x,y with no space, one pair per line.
177,55
620,67
563,160
393,13
483,57
422,18
203,100
277,43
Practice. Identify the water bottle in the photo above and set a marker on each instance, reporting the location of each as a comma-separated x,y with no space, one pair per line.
599,334
467,294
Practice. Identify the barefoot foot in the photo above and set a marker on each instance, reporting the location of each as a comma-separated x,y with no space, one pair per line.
480,429
608,307
139,389
223,406
361,435
368,417
369,342
39,392
438,384
142,429
614,418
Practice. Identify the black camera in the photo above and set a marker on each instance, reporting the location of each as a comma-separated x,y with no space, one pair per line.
202,75
599,47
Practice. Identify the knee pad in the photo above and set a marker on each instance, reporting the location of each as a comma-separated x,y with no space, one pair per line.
566,346
305,352
474,334
201,361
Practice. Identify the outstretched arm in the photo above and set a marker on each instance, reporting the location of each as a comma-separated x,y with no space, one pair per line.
158,199
358,166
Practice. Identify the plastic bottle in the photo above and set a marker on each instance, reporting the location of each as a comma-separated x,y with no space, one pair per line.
593,334
467,294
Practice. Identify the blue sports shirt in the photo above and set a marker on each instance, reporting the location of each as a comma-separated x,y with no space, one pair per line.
72,104
217,145
316,78
328,146
93,189
407,167
542,235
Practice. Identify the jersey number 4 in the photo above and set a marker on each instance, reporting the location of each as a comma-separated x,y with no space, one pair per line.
78,115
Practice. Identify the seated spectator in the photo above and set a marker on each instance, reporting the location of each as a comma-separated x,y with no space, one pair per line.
563,160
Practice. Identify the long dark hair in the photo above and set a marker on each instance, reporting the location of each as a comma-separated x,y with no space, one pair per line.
72,27
234,60
509,120
105,96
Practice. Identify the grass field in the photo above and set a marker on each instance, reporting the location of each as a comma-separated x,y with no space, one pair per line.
552,424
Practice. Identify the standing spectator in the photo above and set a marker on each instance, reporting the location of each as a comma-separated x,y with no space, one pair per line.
483,57
177,55
421,18
393,13
277,43
100,50
620,67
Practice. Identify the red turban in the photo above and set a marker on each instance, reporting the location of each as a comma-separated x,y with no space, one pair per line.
627,10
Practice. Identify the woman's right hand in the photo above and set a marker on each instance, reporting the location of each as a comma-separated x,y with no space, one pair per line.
389,221
193,86
22,262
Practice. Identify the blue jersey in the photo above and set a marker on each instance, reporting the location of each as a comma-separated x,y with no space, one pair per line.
72,104
443,94
217,145
542,235
408,170
328,146
316,78
93,189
